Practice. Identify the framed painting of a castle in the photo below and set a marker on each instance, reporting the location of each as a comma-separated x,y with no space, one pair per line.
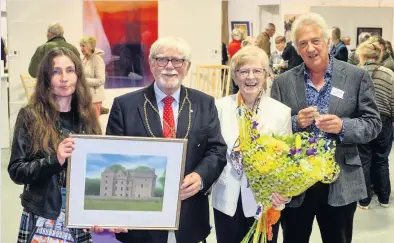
125,182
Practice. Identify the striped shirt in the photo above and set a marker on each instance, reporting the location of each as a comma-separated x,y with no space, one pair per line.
383,80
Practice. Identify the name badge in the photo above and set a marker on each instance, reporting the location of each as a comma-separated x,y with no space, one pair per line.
337,92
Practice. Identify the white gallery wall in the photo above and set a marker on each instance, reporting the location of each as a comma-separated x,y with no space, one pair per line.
366,17
27,30
248,10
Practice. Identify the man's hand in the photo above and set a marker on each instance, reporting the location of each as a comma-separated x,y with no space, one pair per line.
191,185
329,124
306,116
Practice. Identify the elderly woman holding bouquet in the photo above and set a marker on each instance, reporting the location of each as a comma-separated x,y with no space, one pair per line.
234,204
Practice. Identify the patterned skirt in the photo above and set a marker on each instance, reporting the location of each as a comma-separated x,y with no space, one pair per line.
28,222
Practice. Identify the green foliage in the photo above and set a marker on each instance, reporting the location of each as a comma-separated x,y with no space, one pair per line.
123,205
162,179
92,186
159,192
117,167
142,167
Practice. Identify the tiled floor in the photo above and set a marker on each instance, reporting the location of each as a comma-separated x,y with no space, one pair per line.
374,225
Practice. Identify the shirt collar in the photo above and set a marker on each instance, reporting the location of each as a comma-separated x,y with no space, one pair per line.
328,73
160,95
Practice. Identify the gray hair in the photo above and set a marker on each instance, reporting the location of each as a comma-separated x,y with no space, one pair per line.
309,19
89,41
248,54
237,34
336,33
55,29
270,26
170,42
363,36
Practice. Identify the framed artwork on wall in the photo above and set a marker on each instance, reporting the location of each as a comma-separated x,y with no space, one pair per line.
242,25
371,30
125,30
125,182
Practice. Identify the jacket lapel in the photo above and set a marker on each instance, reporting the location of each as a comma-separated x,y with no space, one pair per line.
299,87
338,81
151,115
183,117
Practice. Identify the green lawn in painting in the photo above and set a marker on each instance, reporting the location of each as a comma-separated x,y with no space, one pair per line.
123,205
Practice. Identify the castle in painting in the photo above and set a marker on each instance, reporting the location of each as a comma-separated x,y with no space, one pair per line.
136,183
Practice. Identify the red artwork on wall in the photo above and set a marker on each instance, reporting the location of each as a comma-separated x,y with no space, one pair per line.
125,31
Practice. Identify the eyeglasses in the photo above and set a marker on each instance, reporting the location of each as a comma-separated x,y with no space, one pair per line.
163,62
303,44
257,72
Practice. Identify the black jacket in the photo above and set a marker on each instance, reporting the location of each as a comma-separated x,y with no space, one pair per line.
290,54
206,155
39,174
340,52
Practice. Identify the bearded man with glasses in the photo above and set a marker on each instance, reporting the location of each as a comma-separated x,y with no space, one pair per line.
168,109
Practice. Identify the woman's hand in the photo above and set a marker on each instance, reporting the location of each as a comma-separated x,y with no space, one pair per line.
278,201
65,149
98,229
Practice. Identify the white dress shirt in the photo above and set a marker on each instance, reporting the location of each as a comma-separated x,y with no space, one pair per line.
160,95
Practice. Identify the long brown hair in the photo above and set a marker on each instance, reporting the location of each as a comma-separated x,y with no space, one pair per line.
43,114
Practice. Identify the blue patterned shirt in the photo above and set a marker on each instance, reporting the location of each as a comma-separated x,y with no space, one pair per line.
320,98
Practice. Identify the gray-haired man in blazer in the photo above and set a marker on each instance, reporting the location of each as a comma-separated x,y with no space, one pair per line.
345,94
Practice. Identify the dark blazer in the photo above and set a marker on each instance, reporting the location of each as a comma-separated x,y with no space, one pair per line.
361,121
206,154
340,52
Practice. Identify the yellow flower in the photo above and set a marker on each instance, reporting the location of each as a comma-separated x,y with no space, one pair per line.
298,142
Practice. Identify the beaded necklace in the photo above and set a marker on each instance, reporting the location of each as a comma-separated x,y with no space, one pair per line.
173,130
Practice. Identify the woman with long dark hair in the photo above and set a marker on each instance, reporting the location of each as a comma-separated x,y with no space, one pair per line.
60,106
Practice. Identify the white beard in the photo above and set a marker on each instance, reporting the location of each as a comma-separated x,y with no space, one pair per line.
163,84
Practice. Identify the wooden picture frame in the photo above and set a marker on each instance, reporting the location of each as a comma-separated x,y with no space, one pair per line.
126,182
371,30
242,25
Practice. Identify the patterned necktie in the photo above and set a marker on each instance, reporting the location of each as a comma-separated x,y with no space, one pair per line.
168,118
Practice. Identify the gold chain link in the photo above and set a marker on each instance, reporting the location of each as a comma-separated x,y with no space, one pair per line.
173,130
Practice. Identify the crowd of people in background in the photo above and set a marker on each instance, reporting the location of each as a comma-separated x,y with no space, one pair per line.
309,70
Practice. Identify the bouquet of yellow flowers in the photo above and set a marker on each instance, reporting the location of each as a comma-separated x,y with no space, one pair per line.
287,165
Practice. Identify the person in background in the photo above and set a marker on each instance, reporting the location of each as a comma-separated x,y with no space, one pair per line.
94,69
232,200
277,63
249,41
335,100
158,111
389,48
235,45
4,52
224,54
347,41
339,49
41,146
375,154
353,58
55,38
263,40
291,56
386,59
